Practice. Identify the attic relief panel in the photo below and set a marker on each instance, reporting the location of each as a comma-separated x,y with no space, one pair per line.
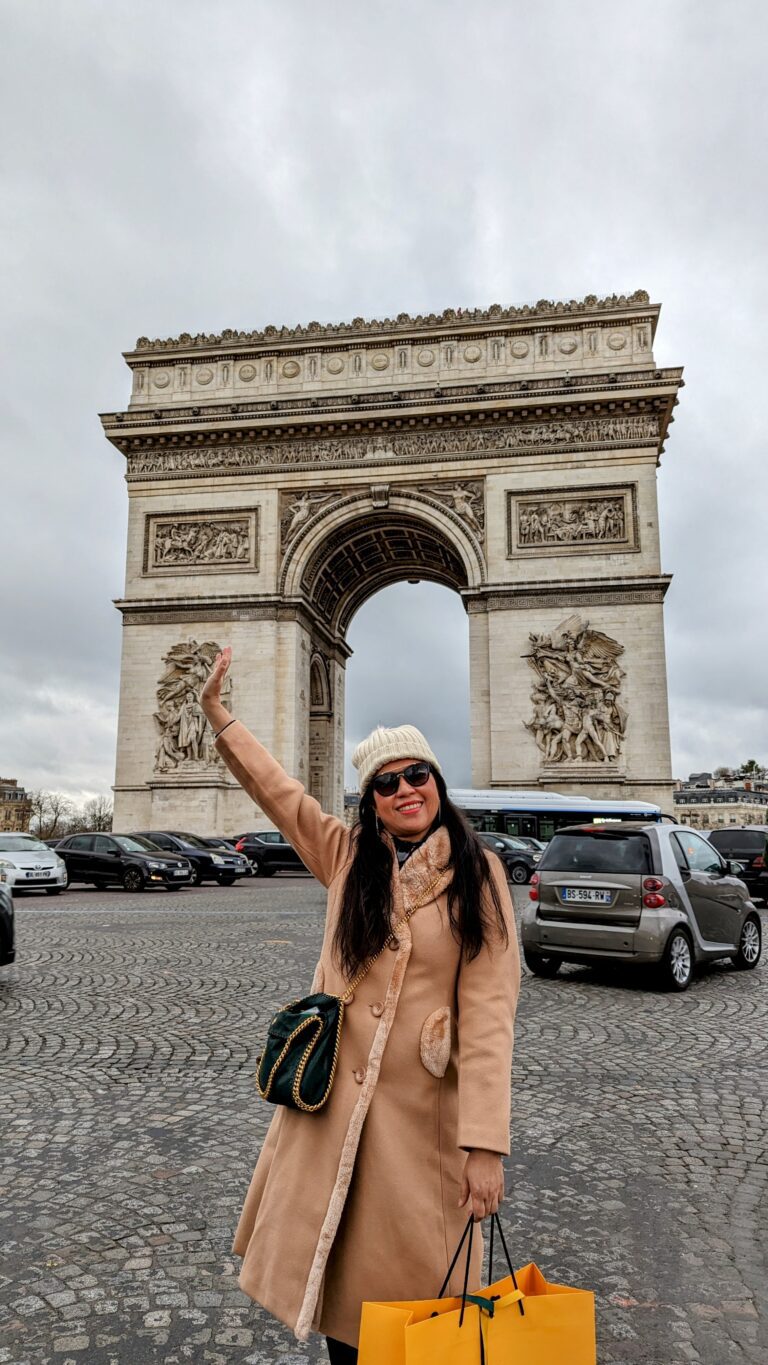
573,521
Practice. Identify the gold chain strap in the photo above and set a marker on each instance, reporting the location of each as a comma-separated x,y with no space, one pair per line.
352,987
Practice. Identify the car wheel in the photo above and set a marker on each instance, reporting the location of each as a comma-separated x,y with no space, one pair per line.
197,878
676,969
226,881
255,867
541,964
133,879
750,945
519,873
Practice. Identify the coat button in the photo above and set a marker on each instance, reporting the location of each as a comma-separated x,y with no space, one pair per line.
378,1009
360,1075
393,946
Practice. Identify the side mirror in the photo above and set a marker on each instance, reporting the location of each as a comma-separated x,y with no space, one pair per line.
735,868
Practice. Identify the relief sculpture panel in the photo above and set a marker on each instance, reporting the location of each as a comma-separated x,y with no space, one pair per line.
213,542
583,520
185,738
577,713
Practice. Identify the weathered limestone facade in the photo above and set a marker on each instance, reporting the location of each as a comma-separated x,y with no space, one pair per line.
278,479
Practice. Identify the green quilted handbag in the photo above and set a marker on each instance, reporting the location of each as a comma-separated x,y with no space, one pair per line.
298,1065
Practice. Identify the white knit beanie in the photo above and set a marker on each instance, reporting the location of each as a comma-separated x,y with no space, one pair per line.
385,745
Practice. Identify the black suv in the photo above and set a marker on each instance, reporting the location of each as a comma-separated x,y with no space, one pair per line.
746,844
125,859
520,862
208,864
7,939
268,852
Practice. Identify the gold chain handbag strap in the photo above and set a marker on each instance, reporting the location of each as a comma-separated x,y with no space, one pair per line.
392,937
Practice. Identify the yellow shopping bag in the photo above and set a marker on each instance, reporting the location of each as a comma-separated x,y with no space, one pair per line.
519,1320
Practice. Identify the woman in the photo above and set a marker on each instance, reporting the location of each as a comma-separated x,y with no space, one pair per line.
367,1198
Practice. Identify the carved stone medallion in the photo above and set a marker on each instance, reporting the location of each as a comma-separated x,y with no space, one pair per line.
186,739
577,713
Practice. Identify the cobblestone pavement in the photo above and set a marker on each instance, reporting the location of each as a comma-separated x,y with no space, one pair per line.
128,1028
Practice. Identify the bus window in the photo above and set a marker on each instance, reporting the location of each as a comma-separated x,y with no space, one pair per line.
528,823
512,825
546,828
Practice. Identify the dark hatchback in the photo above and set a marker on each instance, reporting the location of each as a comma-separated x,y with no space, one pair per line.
519,860
125,860
7,935
748,845
268,852
208,864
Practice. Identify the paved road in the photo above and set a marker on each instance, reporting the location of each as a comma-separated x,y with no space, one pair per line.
128,1029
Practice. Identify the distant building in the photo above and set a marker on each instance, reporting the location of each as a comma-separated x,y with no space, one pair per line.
707,802
15,806
351,806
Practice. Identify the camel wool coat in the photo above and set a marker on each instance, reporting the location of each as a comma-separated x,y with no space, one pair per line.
361,1200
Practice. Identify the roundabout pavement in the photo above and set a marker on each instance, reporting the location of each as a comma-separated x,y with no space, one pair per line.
129,1027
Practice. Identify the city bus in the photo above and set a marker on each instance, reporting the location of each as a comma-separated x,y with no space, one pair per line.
538,815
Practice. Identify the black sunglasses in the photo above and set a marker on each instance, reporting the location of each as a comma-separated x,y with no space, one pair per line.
416,775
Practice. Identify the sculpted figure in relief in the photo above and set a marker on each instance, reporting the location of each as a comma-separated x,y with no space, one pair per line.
201,542
184,736
570,521
576,712
466,499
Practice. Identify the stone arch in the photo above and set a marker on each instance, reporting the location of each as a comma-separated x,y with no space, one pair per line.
351,549
320,701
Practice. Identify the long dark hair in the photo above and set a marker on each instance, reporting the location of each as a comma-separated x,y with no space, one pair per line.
364,919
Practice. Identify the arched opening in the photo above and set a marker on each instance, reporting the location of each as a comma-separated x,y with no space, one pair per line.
359,559
410,664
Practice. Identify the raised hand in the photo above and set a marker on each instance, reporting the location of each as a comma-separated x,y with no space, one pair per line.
210,697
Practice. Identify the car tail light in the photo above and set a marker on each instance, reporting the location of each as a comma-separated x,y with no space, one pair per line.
239,845
653,884
653,901
533,891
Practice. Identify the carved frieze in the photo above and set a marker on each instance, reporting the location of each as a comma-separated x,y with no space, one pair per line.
186,740
569,433
465,498
577,713
573,521
208,542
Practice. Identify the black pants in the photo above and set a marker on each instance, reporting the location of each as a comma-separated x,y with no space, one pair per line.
341,1354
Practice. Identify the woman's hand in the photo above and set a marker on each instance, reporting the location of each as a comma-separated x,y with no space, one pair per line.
482,1184
210,697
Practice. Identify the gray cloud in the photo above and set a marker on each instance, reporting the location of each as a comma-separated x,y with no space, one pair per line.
177,167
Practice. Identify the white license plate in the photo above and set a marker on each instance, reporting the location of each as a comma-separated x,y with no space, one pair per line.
40,876
179,872
586,896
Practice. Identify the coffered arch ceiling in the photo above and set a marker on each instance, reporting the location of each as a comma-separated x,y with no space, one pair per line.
366,555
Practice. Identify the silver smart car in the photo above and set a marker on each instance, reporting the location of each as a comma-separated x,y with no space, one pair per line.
638,893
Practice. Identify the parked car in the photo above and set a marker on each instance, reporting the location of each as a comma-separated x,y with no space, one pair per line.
638,893
519,860
268,852
535,845
7,928
27,863
122,860
748,845
208,865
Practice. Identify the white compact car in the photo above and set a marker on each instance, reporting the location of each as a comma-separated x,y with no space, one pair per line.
27,863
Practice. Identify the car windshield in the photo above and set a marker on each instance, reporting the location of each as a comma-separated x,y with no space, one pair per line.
193,841
22,843
582,851
129,843
141,841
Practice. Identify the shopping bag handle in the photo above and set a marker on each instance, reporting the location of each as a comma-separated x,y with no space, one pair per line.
479,1299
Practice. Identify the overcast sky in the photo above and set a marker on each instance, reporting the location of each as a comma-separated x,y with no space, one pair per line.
188,167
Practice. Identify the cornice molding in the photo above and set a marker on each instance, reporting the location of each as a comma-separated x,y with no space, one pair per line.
584,593
545,310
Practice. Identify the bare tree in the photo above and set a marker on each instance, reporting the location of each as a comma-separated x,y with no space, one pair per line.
97,814
52,814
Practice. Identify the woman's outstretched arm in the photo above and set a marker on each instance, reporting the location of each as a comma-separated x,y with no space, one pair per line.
321,840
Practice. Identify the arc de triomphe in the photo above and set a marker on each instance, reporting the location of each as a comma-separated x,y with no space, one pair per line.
277,479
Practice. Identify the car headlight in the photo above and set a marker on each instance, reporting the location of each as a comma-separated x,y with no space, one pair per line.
6,863
154,866
216,859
